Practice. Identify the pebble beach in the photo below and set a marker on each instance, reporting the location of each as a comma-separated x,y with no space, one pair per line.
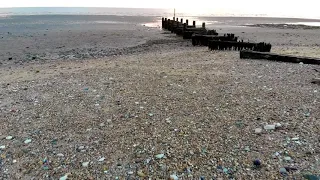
128,101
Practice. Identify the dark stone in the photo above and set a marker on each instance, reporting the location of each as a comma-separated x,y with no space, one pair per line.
10,58
257,162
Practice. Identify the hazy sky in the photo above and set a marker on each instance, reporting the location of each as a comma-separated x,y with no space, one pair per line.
276,7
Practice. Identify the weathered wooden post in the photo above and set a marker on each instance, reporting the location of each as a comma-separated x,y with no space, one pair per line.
184,27
181,20
165,23
162,23
177,19
203,25
169,23
194,24
187,22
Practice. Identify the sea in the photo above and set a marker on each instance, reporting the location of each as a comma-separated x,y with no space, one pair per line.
145,16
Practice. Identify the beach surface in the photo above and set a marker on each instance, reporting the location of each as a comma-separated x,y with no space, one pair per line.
121,100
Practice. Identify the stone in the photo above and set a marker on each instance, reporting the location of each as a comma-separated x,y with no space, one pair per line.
311,177
270,127
283,171
141,174
130,173
159,156
258,131
257,162
60,155
101,159
2,147
85,164
316,81
278,125
27,141
173,177
287,158
9,137
65,177
295,139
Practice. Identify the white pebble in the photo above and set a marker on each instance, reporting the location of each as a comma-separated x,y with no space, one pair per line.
9,137
258,131
27,141
2,147
101,159
270,127
278,125
159,156
174,177
85,164
60,155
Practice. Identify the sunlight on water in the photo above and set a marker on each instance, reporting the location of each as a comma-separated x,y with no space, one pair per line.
307,23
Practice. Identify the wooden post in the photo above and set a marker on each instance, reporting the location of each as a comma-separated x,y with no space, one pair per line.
181,20
204,25
169,24
162,22
187,22
165,23
194,23
184,27
177,19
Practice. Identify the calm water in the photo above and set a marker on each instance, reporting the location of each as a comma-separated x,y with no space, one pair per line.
149,17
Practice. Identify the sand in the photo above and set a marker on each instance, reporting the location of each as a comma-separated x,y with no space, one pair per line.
161,107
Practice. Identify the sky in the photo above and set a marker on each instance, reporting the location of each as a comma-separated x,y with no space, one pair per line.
305,8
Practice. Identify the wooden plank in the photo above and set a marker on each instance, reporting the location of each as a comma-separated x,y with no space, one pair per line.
203,40
238,46
246,54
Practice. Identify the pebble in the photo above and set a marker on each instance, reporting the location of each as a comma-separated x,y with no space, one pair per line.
14,161
65,177
287,158
311,177
173,177
295,139
270,127
141,174
257,162
85,164
81,147
278,125
130,172
258,131
2,147
159,156
109,120
27,141
9,137
101,159
283,171
247,148
60,155
101,124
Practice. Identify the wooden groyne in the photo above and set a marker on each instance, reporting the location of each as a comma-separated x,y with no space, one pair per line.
202,37
202,40
184,29
247,54
238,46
